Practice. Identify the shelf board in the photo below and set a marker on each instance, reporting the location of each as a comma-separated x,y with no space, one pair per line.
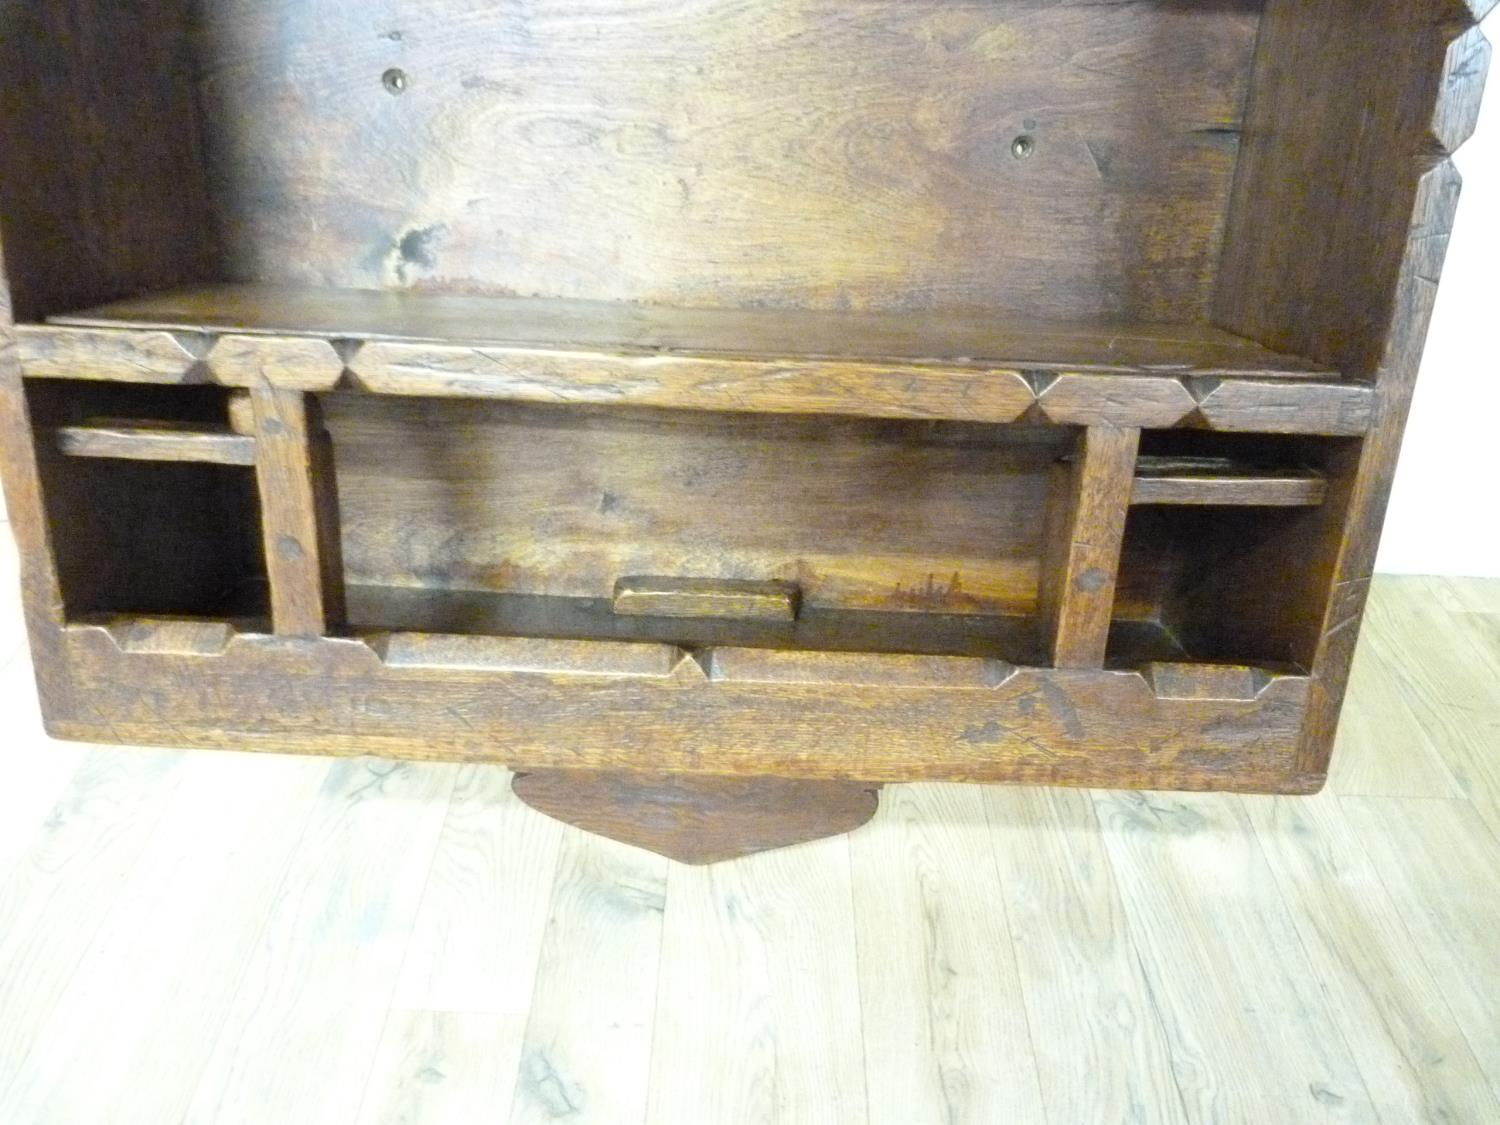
157,441
1219,481
963,367
816,628
942,338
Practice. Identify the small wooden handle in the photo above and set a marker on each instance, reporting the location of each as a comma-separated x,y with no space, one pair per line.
706,597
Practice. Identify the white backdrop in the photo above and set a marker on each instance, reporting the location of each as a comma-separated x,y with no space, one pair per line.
1445,512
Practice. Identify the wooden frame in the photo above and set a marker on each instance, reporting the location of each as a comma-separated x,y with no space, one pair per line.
1005,506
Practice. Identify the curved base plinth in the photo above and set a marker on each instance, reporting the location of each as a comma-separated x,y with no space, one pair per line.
695,819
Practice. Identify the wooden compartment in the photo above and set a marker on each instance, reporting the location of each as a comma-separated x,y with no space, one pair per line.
847,391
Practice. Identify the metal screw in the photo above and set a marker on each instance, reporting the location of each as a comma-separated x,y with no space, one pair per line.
394,80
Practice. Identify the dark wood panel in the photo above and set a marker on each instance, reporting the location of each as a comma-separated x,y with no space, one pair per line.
102,175
567,500
722,152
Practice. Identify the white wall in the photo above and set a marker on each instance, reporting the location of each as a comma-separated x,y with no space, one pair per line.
1445,511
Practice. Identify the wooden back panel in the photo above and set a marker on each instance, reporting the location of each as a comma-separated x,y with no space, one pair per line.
812,153
565,500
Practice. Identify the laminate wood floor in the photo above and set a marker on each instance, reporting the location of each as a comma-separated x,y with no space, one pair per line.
213,937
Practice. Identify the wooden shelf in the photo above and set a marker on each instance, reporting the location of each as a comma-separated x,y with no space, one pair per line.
956,339
157,441
816,628
972,367
1222,481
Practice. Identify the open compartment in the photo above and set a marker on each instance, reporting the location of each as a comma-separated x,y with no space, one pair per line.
146,521
1224,545
1013,184
514,519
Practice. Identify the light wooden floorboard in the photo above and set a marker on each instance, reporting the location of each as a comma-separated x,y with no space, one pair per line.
758,1008
1251,1033
301,1031
586,1055
443,1068
1089,1003
945,1023
221,938
478,932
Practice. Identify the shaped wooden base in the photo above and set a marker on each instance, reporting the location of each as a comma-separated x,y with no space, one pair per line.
695,819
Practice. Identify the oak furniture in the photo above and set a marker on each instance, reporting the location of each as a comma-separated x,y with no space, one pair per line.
716,410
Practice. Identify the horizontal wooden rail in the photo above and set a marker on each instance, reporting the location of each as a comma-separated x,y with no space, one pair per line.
157,441
1214,481
788,382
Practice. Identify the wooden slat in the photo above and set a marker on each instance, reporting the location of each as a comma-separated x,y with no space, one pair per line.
1086,526
706,597
983,339
157,441
725,365
298,513
1205,481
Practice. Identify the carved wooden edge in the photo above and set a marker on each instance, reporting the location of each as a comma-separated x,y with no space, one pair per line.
725,599
1353,542
799,386
760,713
492,657
699,819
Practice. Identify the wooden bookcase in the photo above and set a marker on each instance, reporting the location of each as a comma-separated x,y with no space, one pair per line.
711,409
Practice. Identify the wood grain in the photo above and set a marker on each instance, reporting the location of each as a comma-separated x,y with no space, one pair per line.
298,512
1086,527
713,153
1280,1059
1416,1062
939,991
477,935
300,1034
769,943
641,596
442,1067
587,1047
1089,1005
158,442
131,1032
57,894
699,820
1022,724
963,338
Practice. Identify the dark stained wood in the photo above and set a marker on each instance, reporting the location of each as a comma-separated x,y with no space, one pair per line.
797,311
657,708
1086,527
718,153
699,820
303,557
158,441
1222,481
103,175
644,596
530,324
952,388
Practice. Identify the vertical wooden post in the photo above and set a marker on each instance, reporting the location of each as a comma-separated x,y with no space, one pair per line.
1081,559
299,512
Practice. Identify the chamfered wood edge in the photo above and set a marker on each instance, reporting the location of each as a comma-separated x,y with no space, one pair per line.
788,385
610,706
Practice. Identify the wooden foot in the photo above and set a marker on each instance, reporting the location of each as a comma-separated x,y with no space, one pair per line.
695,819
